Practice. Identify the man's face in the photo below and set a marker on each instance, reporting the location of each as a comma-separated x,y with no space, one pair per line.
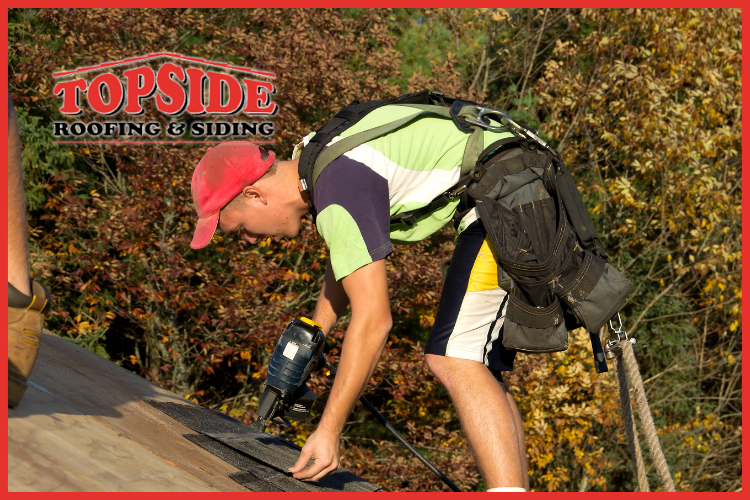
254,222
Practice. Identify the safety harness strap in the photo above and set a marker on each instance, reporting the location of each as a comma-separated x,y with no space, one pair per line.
344,119
337,149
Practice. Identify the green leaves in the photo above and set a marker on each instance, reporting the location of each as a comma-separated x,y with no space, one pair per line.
653,117
41,157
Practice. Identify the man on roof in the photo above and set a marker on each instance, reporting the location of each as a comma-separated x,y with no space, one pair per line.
241,188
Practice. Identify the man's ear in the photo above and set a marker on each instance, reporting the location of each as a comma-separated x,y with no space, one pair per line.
254,193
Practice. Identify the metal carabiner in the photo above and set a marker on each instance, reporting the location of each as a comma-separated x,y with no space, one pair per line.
506,122
479,121
612,348
621,335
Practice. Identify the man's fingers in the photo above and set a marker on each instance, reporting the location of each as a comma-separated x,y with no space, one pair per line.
301,463
332,467
312,471
324,454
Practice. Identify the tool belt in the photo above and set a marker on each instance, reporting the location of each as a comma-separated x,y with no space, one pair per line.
556,284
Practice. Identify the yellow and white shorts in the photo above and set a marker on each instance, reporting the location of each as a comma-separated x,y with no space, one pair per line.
471,313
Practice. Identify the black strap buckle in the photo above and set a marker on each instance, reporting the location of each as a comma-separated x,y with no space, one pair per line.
458,191
436,95
460,121
407,219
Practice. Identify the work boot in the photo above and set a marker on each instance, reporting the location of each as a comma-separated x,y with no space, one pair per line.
25,321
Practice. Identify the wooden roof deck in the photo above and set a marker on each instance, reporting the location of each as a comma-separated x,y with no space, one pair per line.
84,425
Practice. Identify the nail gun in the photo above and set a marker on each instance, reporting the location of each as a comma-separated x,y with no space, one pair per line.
285,393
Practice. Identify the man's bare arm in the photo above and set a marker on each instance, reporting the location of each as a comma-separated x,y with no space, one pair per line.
331,303
367,289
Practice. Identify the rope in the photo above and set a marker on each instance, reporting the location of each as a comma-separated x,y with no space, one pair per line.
644,412
630,429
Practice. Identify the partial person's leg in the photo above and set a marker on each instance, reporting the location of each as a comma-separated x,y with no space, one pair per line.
465,350
18,250
489,418
28,300
519,430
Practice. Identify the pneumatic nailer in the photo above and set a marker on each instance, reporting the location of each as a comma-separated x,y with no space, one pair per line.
285,393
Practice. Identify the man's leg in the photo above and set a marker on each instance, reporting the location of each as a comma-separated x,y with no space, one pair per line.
489,418
28,301
465,341
521,434
18,250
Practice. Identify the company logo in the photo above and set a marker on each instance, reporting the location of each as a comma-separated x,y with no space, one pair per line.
190,89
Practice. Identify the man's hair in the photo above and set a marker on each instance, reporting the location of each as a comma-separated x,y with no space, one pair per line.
239,200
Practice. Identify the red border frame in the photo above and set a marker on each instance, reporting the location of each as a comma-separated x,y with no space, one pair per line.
389,3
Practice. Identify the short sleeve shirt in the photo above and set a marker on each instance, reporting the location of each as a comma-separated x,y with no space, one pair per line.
400,172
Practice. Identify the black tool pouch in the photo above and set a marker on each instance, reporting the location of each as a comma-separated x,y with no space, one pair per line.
523,224
534,329
597,293
554,279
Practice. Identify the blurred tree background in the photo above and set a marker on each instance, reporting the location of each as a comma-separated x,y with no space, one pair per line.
644,105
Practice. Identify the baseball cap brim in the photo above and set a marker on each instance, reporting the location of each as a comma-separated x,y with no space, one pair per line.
205,230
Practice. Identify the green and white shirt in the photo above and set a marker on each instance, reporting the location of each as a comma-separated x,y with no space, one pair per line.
400,172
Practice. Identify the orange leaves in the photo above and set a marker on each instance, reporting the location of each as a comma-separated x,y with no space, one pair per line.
426,320
555,479
291,276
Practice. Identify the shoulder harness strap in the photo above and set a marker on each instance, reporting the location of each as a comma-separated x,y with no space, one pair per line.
345,118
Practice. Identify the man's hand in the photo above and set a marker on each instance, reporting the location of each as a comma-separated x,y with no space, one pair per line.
323,448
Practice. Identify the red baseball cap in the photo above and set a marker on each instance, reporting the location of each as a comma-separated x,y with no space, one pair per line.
222,174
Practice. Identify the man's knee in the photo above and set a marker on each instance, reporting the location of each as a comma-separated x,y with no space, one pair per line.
440,366
446,368
433,362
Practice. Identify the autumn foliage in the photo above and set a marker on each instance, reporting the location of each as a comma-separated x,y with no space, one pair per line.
645,106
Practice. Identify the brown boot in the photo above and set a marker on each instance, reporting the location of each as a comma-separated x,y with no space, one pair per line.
25,321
